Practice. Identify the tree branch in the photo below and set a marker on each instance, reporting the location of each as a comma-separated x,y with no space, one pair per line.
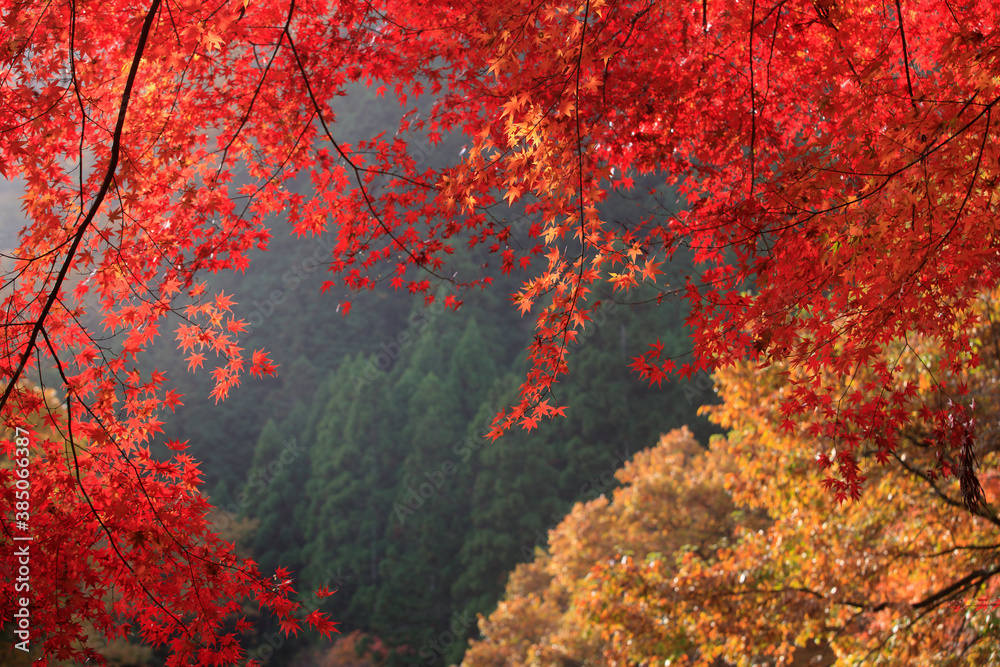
95,206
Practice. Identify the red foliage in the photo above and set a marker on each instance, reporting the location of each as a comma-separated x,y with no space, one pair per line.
837,161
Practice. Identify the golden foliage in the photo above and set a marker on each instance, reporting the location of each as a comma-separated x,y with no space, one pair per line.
739,555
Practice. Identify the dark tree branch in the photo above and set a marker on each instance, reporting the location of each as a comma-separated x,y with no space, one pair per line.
95,206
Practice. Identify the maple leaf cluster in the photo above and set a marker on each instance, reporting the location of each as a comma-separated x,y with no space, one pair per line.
119,544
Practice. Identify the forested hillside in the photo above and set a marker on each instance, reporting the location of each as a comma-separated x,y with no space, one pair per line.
365,464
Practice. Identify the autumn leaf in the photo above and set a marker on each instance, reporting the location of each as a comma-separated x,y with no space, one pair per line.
289,626
195,361
320,623
261,365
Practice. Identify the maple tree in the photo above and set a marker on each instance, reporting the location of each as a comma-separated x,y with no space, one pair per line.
837,162
732,556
